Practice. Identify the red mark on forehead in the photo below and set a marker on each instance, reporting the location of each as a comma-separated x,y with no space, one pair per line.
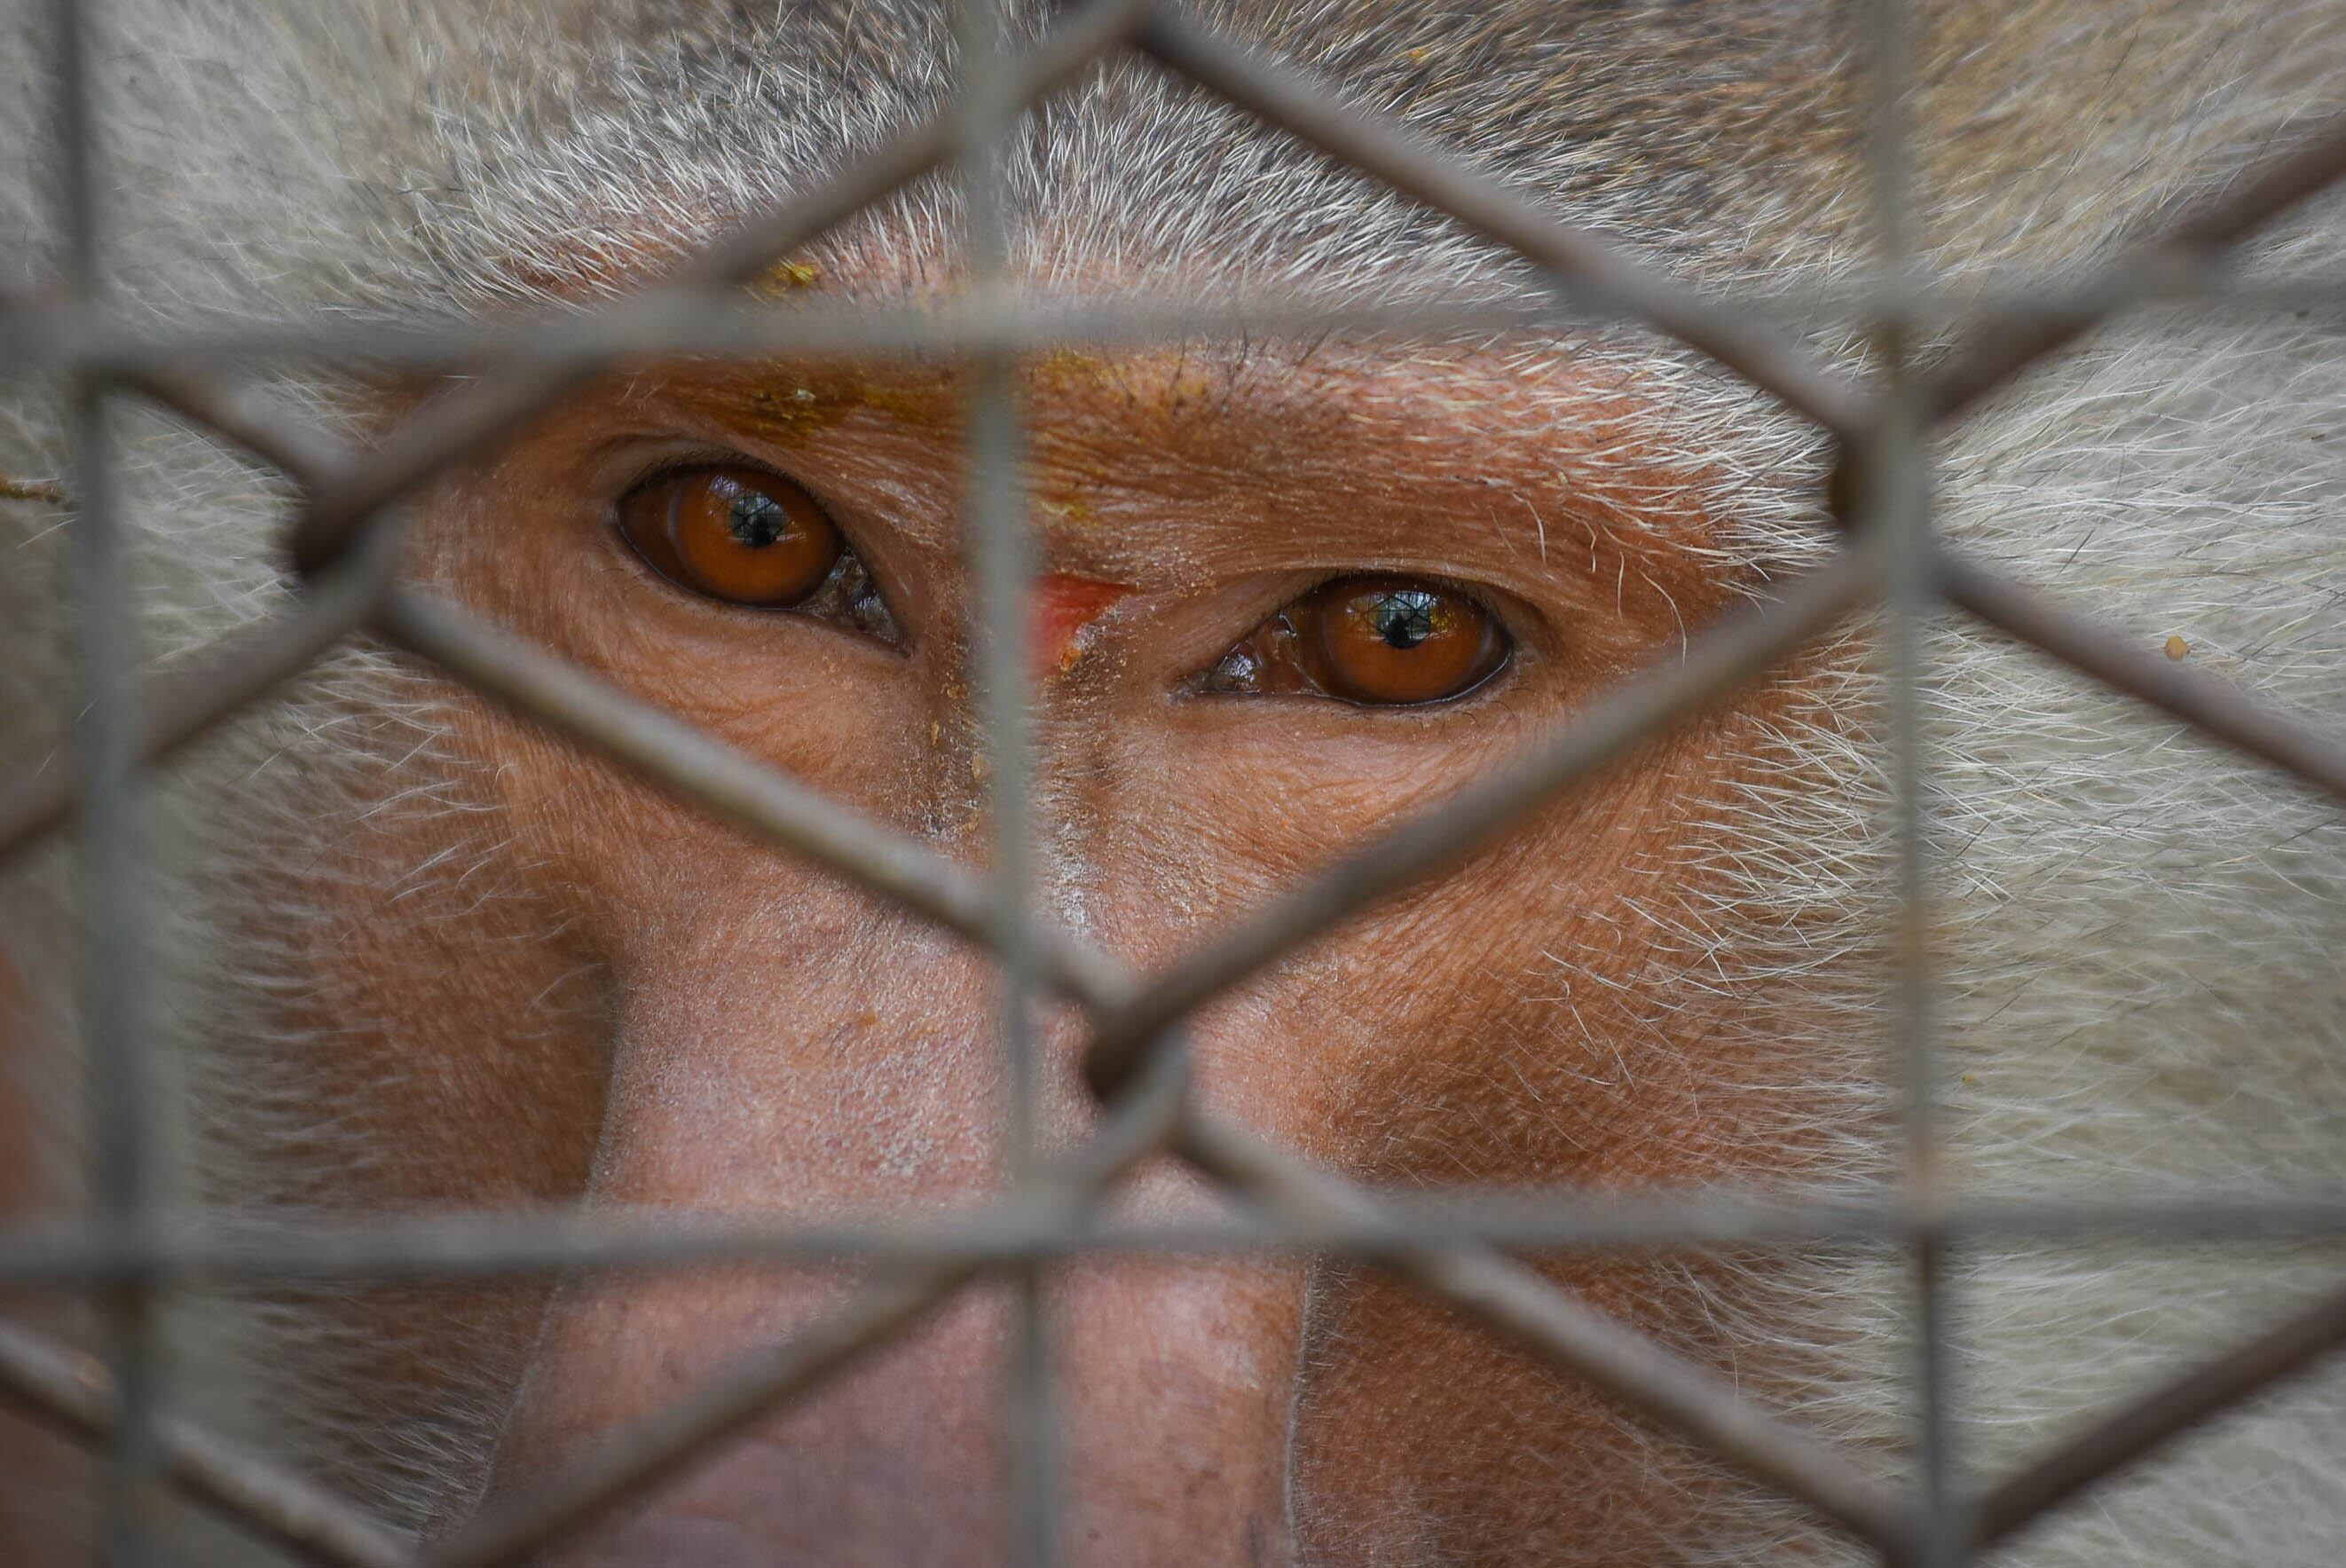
1062,607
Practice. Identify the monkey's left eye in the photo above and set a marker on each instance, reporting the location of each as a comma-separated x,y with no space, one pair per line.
748,536
1379,641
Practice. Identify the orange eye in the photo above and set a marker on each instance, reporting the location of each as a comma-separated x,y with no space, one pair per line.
1392,640
733,532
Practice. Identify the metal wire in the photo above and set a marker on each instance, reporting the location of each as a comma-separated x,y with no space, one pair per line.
104,745
719,325
228,1249
1001,552
1895,515
344,546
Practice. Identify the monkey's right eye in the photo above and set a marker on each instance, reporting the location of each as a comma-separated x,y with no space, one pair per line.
733,532
745,535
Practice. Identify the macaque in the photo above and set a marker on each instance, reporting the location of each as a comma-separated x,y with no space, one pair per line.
409,954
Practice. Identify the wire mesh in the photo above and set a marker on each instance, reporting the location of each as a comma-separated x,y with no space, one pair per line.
344,545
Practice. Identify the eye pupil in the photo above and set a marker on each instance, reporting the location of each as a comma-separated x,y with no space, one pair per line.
1404,619
758,519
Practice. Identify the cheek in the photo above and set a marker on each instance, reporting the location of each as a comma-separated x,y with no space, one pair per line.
442,985
1527,1017
1418,1439
419,1028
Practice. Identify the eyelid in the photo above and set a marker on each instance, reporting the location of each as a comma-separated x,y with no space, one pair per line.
642,470
1483,599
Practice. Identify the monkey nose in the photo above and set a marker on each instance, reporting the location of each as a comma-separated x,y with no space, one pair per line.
1169,1388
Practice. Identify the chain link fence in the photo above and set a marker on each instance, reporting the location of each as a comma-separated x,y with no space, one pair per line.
343,547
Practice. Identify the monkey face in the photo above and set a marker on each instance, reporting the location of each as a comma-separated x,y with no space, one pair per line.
1284,602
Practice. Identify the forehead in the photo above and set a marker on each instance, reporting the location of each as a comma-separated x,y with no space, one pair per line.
1723,138
1687,128
1193,392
